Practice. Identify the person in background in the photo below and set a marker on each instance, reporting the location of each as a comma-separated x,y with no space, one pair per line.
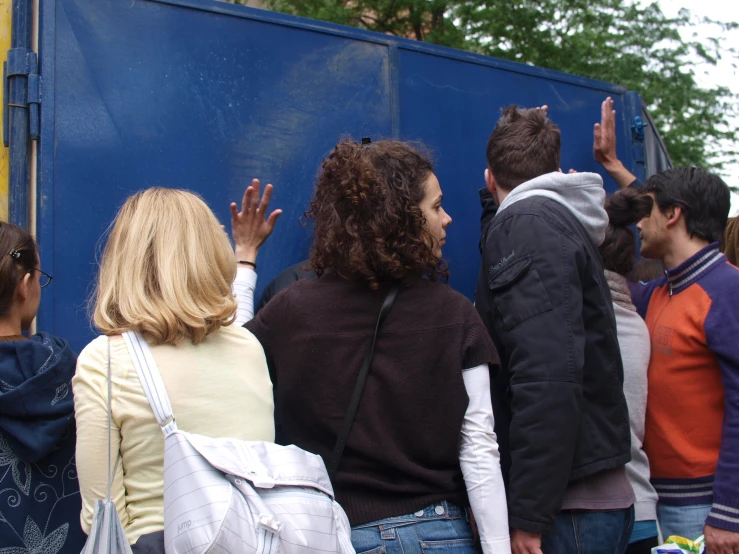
39,493
731,240
166,273
284,279
692,421
604,151
694,449
618,250
542,294
422,443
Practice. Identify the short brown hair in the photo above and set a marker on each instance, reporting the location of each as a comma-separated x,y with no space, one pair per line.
368,223
524,144
618,249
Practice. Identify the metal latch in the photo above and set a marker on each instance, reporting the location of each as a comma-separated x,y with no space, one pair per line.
23,63
637,129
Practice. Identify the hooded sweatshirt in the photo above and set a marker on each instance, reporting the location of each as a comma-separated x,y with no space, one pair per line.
39,494
562,424
581,193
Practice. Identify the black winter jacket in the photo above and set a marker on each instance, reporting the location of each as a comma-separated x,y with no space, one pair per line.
560,412
283,280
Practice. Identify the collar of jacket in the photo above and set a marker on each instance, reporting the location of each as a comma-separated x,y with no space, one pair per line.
688,272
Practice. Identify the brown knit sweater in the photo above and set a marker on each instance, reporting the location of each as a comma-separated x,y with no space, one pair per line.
403,450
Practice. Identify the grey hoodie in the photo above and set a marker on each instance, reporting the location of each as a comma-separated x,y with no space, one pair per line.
581,193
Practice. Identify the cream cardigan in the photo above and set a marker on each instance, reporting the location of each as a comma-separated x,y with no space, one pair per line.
219,388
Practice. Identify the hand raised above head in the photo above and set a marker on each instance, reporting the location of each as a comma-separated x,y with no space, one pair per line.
604,135
250,227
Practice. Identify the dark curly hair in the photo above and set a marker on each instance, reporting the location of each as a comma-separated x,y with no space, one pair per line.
368,223
618,250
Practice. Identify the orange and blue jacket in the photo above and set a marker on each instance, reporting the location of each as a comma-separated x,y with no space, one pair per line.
692,420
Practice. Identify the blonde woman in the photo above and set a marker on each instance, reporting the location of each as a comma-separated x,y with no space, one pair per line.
167,272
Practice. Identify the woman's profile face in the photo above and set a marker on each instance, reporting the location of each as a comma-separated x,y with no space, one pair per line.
437,220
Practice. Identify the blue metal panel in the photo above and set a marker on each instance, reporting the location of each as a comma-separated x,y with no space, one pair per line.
21,61
154,95
453,106
205,95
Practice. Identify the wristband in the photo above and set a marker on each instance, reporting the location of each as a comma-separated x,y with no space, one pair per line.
252,264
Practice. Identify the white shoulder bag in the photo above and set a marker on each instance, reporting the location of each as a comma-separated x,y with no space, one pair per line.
228,495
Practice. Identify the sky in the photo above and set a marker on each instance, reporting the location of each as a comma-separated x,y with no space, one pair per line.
723,73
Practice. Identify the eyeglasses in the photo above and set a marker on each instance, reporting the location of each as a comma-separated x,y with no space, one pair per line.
44,278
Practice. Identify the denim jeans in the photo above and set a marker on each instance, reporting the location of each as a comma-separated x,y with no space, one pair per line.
153,543
590,532
683,521
440,528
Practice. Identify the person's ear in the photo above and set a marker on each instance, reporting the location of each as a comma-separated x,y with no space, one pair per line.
490,181
673,214
23,287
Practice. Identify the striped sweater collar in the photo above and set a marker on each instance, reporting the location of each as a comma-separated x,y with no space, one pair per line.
688,272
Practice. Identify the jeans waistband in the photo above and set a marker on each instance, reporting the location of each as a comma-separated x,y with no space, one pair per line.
438,511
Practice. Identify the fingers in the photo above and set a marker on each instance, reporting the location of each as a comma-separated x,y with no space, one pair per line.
234,210
604,109
273,219
246,201
571,171
264,202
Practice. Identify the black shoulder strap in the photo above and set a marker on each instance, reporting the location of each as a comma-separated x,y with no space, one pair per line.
351,412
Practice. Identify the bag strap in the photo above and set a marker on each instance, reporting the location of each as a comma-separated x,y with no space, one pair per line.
111,473
151,381
359,387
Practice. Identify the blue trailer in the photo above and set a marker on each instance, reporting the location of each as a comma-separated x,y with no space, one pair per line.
203,95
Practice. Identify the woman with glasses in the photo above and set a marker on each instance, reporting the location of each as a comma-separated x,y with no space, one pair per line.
39,494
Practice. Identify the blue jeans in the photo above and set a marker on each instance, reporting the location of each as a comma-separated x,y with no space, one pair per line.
683,521
590,532
440,528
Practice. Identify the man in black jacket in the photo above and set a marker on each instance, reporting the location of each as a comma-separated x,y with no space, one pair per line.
560,412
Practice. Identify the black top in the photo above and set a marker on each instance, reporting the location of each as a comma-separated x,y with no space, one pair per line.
560,411
403,450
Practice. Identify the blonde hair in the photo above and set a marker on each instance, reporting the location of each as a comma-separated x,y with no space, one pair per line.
166,270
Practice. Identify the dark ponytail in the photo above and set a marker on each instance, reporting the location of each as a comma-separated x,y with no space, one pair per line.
625,208
17,257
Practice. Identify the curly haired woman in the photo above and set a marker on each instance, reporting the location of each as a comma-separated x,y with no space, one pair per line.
422,445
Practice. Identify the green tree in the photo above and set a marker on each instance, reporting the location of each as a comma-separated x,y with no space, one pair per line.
613,40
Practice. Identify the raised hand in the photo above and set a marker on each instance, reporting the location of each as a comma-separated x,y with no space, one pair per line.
604,136
250,227
604,145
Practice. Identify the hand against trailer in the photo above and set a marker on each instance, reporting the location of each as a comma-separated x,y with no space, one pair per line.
604,145
250,227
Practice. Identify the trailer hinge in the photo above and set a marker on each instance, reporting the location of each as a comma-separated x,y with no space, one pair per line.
637,129
23,63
